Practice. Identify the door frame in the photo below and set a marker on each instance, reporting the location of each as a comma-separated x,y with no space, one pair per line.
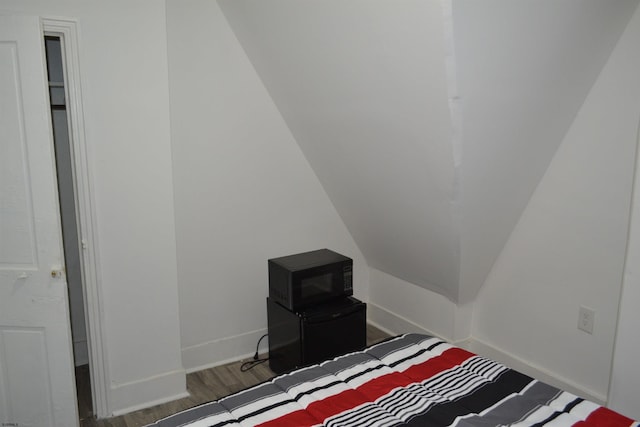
67,30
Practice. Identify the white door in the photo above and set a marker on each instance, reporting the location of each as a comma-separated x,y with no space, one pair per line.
36,367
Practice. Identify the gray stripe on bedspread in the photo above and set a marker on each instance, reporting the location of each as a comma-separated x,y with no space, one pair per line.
207,410
513,409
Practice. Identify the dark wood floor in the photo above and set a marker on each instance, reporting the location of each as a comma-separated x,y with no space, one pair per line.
203,386
83,388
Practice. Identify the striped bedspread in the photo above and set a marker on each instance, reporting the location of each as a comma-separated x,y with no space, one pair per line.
410,380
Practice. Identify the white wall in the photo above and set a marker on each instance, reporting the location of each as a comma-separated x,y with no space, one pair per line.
399,307
429,123
243,189
123,63
362,85
244,192
441,148
625,376
524,69
568,247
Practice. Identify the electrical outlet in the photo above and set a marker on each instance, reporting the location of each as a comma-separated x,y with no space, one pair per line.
586,318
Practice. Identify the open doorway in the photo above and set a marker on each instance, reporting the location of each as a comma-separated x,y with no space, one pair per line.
79,173
69,223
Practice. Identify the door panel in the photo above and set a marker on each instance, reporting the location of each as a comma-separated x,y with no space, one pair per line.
24,375
36,363
16,227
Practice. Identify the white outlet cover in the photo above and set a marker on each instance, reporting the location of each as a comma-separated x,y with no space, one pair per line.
586,319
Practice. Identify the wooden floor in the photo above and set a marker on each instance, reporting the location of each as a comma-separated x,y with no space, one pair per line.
203,386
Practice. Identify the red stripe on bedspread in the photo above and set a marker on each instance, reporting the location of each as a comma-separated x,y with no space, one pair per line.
604,417
382,385
332,405
447,360
371,390
299,418
319,410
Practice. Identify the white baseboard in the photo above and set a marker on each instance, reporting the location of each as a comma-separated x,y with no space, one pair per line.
392,323
486,350
395,324
135,395
224,350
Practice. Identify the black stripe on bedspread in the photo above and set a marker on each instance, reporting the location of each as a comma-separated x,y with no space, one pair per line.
481,399
411,380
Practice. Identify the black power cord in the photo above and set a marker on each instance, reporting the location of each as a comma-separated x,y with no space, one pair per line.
256,360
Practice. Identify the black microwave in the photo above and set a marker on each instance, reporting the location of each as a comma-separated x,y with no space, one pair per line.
309,278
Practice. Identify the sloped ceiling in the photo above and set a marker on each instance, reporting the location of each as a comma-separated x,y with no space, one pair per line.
524,69
429,123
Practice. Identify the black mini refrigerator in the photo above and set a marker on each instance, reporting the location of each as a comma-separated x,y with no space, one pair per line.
317,333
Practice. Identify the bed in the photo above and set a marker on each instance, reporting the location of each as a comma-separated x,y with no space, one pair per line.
409,380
